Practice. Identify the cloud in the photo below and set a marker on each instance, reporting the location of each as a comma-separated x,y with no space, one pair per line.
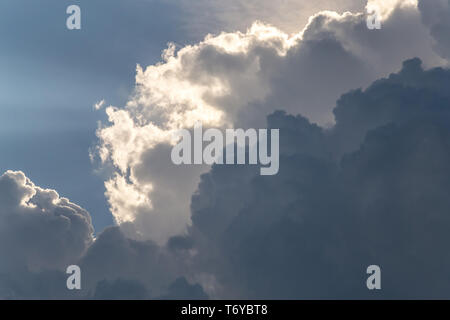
181,289
236,79
35,220
99,105
289,16
362,180
120,290
40,233
371,190
436,15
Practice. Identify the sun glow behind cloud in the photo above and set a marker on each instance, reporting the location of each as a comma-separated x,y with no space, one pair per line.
231,79
173,95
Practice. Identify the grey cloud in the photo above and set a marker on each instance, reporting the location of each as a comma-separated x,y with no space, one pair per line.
235,80
233,15
21,283
339,204
117,267
41,234
371,190
38,228
436,15
399,97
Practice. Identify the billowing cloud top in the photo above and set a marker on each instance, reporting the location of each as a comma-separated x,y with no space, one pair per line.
235,79
40,232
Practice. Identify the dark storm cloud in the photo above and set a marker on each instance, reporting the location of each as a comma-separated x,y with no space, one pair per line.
372,190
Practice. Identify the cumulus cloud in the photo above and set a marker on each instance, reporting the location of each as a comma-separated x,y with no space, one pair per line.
362,180
116,267
38,221
120,290
99,105
312,230
41,233
181,289
345,197
235,79
436,15
114,261
287,15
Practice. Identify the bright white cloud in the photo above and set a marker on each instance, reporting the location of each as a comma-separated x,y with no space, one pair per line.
99,105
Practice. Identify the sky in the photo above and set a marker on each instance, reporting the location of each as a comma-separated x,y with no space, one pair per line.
364,122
